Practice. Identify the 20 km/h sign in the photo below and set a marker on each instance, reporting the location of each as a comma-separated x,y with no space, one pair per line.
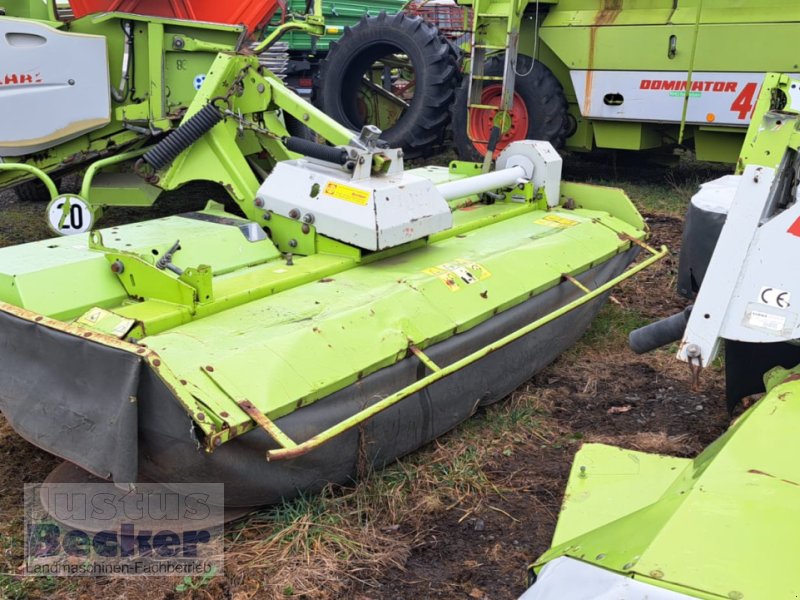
69,215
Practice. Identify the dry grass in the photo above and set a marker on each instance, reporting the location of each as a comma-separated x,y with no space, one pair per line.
657,443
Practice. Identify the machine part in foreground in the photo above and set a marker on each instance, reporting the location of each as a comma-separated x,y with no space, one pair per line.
636,525
326,333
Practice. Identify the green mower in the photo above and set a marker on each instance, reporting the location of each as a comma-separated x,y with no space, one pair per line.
349,312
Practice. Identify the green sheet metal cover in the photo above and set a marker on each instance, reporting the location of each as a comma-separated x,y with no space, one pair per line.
723,525
311,340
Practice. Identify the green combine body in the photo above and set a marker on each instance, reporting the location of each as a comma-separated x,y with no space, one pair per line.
621,74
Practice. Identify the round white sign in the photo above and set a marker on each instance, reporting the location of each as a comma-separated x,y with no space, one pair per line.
69,214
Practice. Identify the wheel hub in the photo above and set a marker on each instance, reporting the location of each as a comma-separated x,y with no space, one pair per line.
513,125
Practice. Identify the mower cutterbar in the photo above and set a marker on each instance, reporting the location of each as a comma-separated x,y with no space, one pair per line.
134,355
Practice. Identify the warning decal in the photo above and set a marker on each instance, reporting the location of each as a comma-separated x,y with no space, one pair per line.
347,193
459,273
555,221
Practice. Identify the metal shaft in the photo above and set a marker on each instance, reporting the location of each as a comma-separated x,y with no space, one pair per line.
482,183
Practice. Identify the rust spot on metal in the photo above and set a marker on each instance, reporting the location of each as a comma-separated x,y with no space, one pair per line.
37,319
792,377
210,369
326,280
87,335
266,424
484,294
605,16
141,351
224,414
183,382
757,472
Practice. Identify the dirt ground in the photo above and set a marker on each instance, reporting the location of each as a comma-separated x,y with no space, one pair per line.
463,517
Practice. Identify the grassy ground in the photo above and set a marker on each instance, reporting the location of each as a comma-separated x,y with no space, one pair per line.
462,517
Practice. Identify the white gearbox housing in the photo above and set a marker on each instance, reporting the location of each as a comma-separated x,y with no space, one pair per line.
372,213
54,86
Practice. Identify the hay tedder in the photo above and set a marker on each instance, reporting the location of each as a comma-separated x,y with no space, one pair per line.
723,525
349,312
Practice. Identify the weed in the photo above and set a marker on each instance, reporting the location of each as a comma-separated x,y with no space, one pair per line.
196,583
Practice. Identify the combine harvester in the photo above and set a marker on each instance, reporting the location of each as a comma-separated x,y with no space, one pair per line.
349,313
638,526
591,74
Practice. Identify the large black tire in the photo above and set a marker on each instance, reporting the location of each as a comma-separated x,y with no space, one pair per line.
542,96
33,191
436,74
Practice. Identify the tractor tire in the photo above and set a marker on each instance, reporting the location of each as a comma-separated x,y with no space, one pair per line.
539,111
33,191
436,75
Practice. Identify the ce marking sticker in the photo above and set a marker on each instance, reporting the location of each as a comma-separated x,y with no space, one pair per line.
774,297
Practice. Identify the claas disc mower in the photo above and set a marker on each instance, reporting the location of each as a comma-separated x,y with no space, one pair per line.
349,311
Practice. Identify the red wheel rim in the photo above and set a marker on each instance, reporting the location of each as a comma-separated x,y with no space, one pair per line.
482,121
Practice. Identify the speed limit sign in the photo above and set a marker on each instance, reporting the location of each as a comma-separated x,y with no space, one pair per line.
69,214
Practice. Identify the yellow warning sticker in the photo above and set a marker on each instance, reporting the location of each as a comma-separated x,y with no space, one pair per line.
555,221
347,193
459,273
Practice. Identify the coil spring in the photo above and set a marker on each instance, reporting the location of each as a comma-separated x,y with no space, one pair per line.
167,150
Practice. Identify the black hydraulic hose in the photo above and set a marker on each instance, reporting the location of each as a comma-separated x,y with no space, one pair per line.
329,154
660,333
167,150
